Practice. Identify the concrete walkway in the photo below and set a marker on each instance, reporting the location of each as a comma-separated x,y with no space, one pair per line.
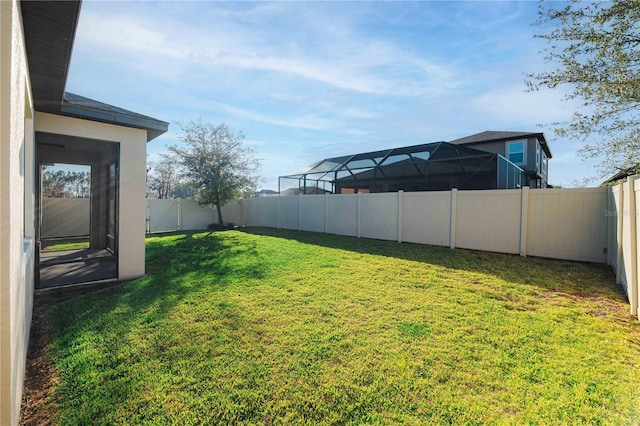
76,266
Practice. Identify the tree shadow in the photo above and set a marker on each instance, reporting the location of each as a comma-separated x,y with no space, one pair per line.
177,267
183,267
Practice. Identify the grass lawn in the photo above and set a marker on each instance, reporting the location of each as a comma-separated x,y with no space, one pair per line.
275,327
60,244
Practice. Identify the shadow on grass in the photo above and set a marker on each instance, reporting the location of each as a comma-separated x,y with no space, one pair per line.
575,279
177,267
91,338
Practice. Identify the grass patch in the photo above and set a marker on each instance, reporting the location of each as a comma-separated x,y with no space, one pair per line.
280,327
61,244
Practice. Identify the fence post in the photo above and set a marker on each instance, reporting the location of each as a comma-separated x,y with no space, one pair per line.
148,218
358,214
636,188
608,217
300,212
400,197
619,218
179,214
452,231
326,212
278,212
524,217
633,246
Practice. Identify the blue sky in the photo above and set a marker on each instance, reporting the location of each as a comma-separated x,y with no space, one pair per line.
309,80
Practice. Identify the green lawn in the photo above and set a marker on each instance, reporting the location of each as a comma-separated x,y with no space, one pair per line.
278,327
70,243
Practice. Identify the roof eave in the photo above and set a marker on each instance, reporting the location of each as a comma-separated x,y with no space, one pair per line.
539,136
153,127
50,29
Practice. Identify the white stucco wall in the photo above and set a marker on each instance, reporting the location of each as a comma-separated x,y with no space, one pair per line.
16,186
133,151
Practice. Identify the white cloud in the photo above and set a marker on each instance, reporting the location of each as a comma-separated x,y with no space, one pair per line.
513,104
359,63
123,33
330,78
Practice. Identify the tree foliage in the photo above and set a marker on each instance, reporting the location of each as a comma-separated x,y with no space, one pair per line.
162,177
596,47
215,163
58,183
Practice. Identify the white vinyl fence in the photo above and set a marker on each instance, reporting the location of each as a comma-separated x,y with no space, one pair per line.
586,224
624,233
65,217
177,215
557,223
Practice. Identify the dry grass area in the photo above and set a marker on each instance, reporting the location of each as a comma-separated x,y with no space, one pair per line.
41,378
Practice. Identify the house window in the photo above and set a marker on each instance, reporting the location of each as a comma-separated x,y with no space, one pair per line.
516,152
538,165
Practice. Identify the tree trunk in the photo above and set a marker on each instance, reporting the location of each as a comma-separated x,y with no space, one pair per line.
220,221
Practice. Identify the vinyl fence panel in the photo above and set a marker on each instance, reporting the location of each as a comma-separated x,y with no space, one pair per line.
194,216
231,213
635,187
629,259
343,214
568,224
251,209
488,220
426,217
288,212
163,215
379,216
65,217
612,219
269,212
312,213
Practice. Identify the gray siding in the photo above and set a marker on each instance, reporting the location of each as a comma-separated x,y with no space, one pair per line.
501,148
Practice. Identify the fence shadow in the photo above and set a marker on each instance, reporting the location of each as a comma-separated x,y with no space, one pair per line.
576,279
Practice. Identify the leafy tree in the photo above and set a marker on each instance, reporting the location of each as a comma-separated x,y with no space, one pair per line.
58,183
162,177
215,163
596,47
182,190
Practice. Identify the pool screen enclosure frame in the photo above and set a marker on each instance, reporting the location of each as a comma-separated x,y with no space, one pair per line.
438,166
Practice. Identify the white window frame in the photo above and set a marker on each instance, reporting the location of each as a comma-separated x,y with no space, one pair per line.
538,156
524,151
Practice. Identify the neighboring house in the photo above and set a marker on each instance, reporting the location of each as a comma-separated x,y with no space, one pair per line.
438,166
527,150
266,193
40,123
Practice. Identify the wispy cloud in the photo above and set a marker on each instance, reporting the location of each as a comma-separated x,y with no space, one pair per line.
359,64
310,80
516,105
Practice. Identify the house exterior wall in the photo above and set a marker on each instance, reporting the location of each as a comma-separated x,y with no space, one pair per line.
493,147
532,164
16,194
131,197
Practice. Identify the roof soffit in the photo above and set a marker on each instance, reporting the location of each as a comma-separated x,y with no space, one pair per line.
49,32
